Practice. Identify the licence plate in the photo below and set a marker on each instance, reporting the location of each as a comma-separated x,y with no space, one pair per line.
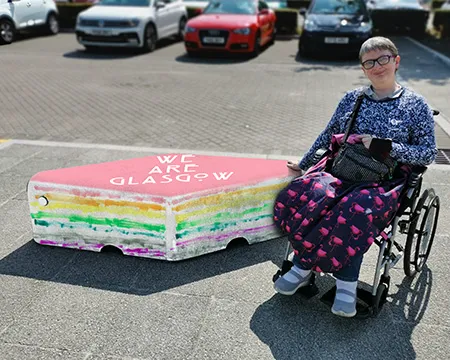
336,40
213,40
102,32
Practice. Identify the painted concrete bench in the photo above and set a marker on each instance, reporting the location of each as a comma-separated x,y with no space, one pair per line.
168,207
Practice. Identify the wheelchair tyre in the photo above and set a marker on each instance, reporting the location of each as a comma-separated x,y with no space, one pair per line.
421,232
380,298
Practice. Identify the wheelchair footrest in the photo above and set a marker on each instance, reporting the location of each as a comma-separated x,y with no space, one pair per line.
310,290
364,308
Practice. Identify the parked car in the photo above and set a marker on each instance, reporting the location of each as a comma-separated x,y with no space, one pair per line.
334,25
399,15
130,23
446,5
241,26
30,15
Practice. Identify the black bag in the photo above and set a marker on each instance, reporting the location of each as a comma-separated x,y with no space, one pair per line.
355,163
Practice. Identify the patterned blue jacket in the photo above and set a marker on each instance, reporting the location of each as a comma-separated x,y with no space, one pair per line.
406,119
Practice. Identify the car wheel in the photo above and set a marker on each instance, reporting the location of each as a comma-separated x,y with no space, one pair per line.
274,35
52,25
7,31
150,38
181,28
303,52
257,45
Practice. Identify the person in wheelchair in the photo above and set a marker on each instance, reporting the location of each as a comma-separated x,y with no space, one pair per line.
334,209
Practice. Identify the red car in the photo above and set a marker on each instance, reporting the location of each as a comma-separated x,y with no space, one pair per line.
241,26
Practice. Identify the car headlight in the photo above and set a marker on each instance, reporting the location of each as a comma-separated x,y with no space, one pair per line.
242,31
79,20
365,26
310,25
133,22
189,29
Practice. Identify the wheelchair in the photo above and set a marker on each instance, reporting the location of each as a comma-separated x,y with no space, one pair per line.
417,218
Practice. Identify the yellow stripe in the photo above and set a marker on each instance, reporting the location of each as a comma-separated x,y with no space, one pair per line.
226,203
116,210
94,202
4,140
232,196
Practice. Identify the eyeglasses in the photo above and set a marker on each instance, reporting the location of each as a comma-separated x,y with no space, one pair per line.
382,60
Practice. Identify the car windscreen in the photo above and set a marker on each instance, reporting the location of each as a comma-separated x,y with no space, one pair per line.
338,7
124,2
240,7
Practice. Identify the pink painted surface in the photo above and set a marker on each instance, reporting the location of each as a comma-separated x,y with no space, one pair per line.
168,175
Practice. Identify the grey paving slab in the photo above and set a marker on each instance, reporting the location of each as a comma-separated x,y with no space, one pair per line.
289,331
15,295
15,222
32,166
424,299
20,152
13,184
158,105
430,342
103,322
21,352
95,156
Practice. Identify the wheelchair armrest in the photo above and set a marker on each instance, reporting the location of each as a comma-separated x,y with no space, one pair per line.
320,154
416,175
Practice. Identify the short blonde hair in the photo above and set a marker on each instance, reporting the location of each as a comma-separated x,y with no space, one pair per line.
377,43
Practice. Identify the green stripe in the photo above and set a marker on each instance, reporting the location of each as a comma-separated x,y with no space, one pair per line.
222,216
217,226
121,223
94,228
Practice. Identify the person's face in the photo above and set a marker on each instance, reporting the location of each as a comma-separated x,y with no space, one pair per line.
381,71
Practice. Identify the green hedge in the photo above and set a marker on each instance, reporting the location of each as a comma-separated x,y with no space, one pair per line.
68,13
436,4
441,22
298,4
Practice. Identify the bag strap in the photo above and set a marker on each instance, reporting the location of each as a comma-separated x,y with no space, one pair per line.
358,103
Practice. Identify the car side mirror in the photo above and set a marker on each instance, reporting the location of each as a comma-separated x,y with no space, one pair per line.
264,12
160,4
302,11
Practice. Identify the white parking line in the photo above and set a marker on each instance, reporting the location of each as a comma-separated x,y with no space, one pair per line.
150,150
442,57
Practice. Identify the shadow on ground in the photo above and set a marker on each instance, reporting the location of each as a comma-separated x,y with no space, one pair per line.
284,325
116,272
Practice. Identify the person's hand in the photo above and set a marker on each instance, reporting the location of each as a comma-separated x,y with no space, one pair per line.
293,166
366,140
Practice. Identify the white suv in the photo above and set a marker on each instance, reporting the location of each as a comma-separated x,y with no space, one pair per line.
130,23
17,15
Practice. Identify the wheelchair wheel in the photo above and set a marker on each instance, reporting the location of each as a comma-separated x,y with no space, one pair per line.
380,298
421,232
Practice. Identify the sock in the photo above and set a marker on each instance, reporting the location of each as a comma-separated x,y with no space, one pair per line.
291,278
346,285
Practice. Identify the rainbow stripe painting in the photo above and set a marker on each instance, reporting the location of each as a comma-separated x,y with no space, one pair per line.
170,207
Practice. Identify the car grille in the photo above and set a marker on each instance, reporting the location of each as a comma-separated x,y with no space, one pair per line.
122,38
216,34
105,23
